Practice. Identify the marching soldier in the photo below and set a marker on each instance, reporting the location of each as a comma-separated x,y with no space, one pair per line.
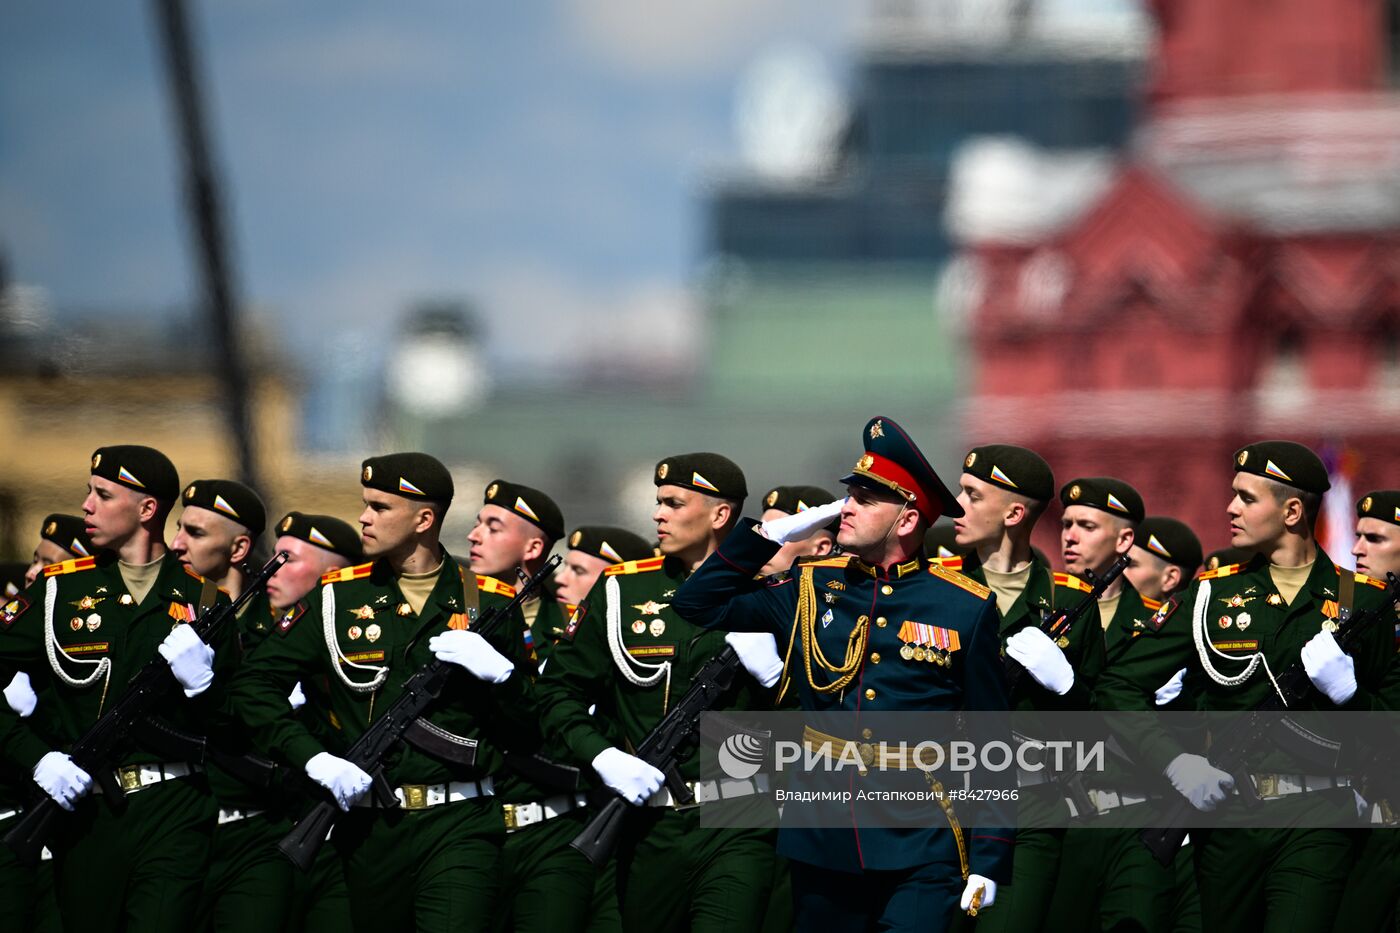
218,529
1165,556
790,500
888,613
102,618
1248,618
593,549
315,545
516,528
1003,492
432,861
61,537
628,651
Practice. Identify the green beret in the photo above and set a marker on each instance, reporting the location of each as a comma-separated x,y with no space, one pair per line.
938,542
530,504
1383,504
894,463
616,545
411,475
68,532
708,473
1228,556
144,469
324,531
1014,468
1288,463
1106,494
794,499
1170,540
230,499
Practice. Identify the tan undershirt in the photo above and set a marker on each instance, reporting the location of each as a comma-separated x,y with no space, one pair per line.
139,578
417,587
531,609
1008,586
1108,608
1290,580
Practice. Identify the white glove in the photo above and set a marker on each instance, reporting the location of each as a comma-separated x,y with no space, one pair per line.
21,696
346,782
989,891
1330,668
62,780
802,524
190,659
632,778
1171,689
758,652
1199,781
297,698
1042,658
472,652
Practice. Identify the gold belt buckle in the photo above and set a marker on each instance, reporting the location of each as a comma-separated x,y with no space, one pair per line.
1266,785
415,796
508,811
129,776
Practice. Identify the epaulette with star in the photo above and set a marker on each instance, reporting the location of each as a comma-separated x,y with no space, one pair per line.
635,566
1072,582
959,580
70,566
1229,570
358,572
492,585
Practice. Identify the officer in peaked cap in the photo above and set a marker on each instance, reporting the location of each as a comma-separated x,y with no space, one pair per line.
91,623
628,651
1280,606
61,537
433,859
790,500
915,636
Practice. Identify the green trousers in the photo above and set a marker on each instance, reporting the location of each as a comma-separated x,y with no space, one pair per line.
249,884
547,886
1035,863
321,902
1272,880
675,874
604,915
139,870
26,891
1373,888
436,869
1110,882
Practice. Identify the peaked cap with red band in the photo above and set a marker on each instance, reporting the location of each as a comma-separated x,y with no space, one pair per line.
892,462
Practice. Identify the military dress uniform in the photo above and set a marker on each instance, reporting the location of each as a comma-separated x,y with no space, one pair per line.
628,651
913,636
1272,879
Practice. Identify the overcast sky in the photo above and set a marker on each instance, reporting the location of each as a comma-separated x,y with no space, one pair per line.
544,158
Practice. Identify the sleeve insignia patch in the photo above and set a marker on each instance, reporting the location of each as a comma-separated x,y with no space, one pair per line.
13,610
289,618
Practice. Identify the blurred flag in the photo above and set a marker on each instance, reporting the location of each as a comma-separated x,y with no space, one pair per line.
1337,526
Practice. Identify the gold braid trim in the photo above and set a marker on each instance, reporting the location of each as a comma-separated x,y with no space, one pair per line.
937,787
806,622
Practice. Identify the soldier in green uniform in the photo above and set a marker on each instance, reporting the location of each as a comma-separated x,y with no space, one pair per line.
592,549
1250,618
1165,556
315,545
90,624
219,527
432,861
913,636
1373,887
1003,491
26,891
790,500
628,652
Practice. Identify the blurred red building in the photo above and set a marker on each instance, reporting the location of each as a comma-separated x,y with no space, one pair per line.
1235,276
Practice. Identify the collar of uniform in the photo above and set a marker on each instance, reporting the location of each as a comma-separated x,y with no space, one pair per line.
910,567
1325,578
174,584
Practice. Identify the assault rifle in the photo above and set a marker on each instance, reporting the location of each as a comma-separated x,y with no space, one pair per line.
1059,626
1231,748
403,721
128,718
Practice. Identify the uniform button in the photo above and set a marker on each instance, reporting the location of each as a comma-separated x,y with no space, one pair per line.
882,621
874,657
867,733
887,589
870,693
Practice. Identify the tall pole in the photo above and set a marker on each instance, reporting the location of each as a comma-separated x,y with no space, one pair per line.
206,216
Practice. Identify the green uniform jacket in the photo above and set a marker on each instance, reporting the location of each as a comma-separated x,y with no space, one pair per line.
1245,614
650,634
357,623
93,619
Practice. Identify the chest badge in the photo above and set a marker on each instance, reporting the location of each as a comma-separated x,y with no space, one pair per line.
76,624
1242,621
372,633
1330,627
830,598
651,607
835,584
668,594
94,622
638,627
658,626
354,632
87,602
364,612
1274,599
827,617
1223,621
125,599
404,609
